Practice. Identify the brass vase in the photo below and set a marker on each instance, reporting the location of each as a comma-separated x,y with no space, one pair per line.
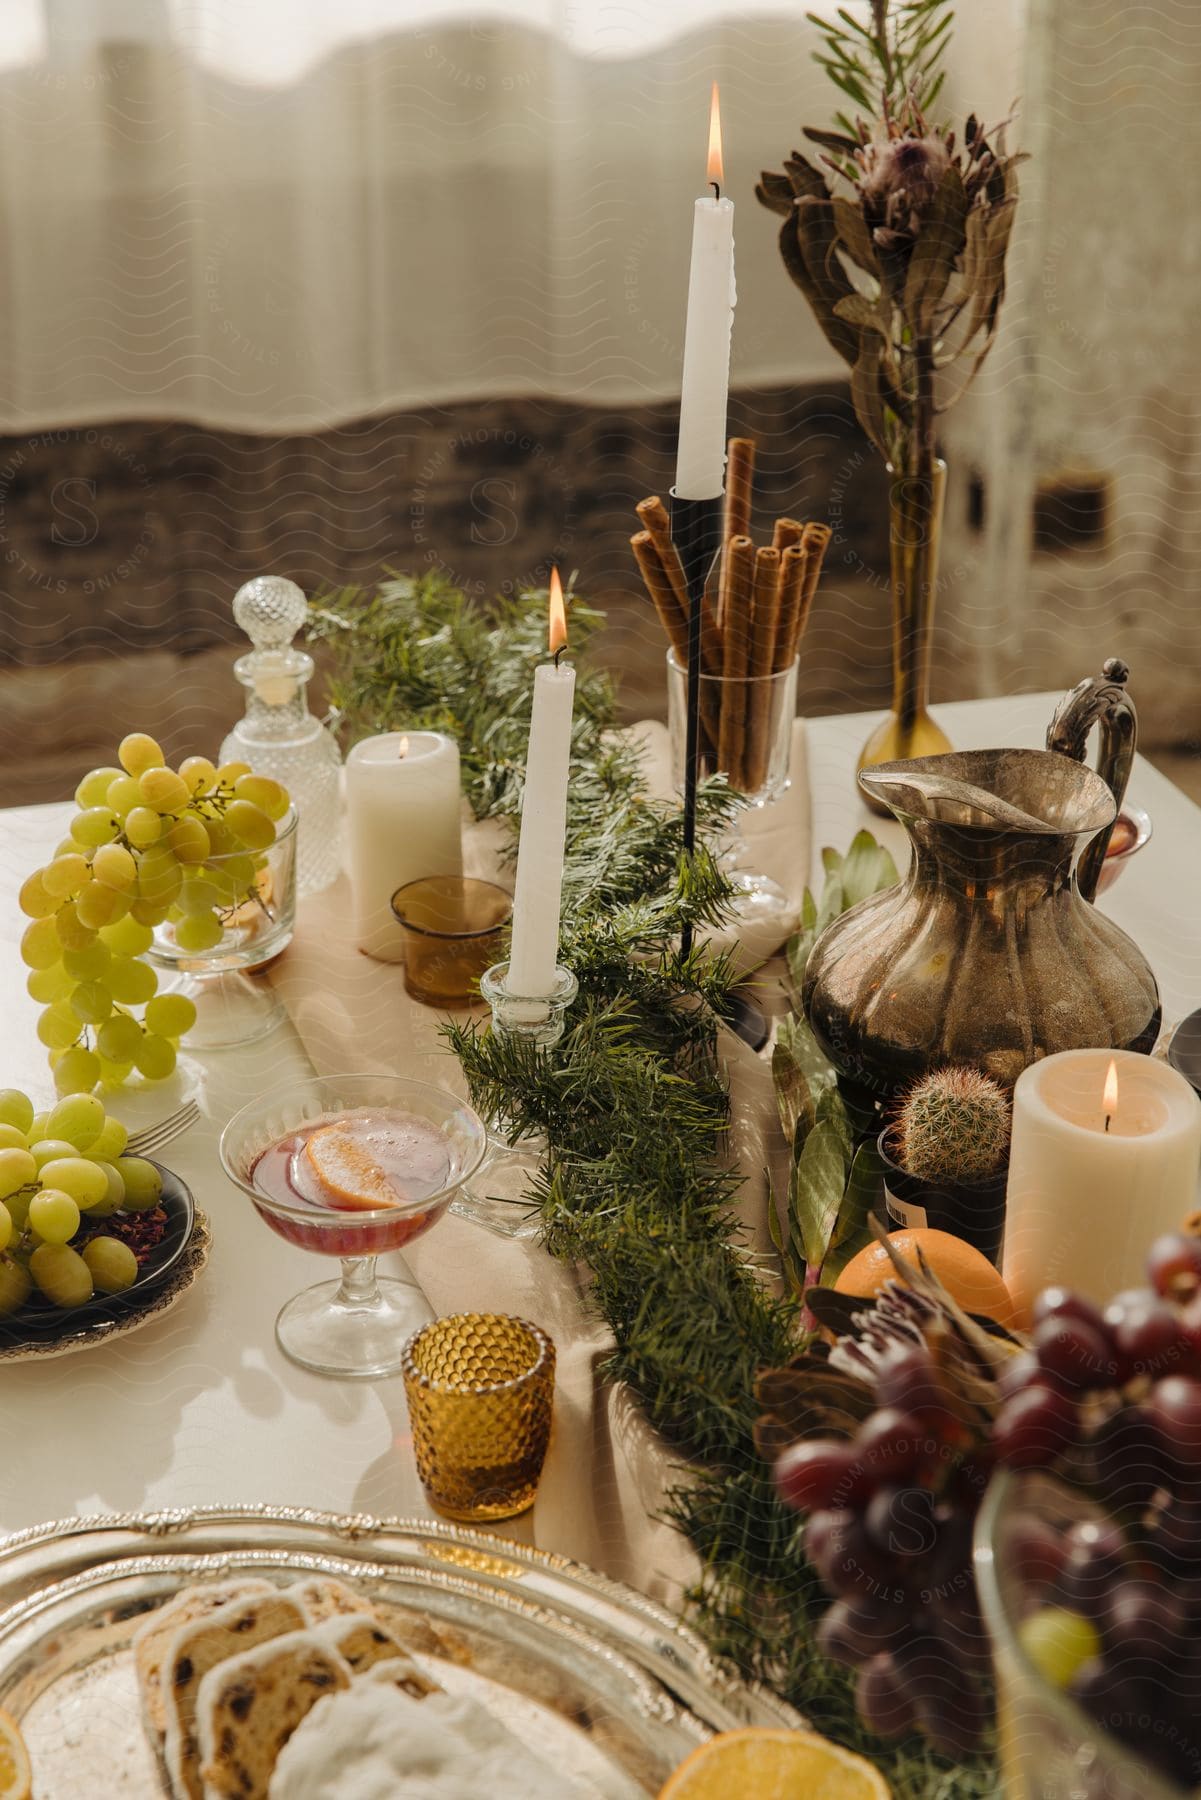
915,512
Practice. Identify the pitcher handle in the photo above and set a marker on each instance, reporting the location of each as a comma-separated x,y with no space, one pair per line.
1100,700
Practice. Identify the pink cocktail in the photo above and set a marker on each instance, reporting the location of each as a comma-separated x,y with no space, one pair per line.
352,1166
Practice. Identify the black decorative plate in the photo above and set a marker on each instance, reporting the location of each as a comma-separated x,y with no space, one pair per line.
40,1325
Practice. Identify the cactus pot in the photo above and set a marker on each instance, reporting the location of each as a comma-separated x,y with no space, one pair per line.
974,1213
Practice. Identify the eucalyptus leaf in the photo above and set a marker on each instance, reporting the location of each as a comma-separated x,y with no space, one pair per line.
862,1198
818,1183
794,1098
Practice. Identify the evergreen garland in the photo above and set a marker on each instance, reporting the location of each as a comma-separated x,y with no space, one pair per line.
634,1110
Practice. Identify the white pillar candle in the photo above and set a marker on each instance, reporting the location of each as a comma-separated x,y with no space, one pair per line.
701,457
1086,1201
402,823
537,895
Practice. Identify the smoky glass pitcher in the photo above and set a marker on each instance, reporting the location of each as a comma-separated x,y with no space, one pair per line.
987,953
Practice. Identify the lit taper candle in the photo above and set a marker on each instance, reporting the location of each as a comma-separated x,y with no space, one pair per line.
538,893
701,458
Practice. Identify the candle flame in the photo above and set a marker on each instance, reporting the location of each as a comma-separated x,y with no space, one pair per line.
558,614
1109,1100
716,168
402,749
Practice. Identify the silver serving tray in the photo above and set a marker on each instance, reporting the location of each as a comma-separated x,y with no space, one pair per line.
602,1682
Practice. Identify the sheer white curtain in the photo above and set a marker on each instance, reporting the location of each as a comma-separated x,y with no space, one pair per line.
276,214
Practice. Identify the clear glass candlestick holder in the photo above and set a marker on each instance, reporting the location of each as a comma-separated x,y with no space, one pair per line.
497,1196
746,735
252,901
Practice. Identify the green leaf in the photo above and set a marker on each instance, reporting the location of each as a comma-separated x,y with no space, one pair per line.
805,1072
815,1193
794,1098
864,1189
868,868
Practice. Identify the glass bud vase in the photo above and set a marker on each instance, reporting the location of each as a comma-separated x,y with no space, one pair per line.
915,509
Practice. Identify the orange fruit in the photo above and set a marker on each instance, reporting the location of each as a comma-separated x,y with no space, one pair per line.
964,1271
16,1778
347,1171
769,1763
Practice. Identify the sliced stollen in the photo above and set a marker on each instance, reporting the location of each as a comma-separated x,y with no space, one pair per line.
324,1598
195,1650
364,1644
250,1705
402,1672
152,1639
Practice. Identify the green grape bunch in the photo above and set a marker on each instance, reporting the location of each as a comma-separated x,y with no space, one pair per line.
60,1171
149,847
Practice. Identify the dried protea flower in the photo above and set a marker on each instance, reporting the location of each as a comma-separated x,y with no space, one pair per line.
900,181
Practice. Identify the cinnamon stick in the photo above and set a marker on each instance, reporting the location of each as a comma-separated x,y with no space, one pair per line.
740,478
793,566
663,594
815,542
785,532
738,581
765,621
657,521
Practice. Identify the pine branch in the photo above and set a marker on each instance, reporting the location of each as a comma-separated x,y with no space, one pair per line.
635,1181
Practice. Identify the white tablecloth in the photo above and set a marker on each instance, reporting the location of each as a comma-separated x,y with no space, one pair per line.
200,1407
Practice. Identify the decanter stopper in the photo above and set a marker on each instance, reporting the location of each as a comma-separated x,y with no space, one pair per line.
270,610
279,735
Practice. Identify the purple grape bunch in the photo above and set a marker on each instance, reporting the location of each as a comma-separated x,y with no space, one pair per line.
1108,1399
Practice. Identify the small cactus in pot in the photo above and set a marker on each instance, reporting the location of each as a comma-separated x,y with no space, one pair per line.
953,1129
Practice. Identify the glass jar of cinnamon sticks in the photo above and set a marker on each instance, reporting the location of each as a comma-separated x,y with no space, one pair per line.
754,615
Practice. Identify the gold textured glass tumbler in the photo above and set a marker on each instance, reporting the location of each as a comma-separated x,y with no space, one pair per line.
480,1388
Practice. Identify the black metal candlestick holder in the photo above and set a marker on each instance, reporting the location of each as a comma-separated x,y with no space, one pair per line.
696,531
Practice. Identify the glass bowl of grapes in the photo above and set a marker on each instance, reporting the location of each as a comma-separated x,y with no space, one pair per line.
1098,1677
352,1166
232,914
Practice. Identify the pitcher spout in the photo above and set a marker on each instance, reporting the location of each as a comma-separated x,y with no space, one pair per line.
1037,793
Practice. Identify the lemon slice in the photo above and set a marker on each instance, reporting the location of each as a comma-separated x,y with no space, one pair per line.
16,1778
771,1764
349,1175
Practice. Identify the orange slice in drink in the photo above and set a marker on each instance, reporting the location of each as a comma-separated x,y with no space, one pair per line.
349,1175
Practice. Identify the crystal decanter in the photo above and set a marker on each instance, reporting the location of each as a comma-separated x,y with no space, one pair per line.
279,735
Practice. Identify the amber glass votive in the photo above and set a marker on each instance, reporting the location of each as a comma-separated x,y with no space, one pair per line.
452,928
480,1388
